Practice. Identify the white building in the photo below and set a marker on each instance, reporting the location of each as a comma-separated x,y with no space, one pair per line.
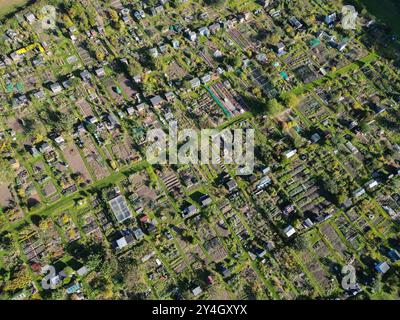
290,153
289,231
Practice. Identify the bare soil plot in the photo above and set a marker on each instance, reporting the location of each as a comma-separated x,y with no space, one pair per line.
197,254
355,50
75,161
215,249
124,151
15,125
111,88
116,4
321,249
49,189
209,113
222,232
170,180
147,193
52,240
305,73
33,198
95,161
260,80
218,293
5,195
312,109
48,76
226,97
85,108
316,270
321,276
333,238
179,265
320,53
207,53
240,40
175,71
84,54
127,86
138,179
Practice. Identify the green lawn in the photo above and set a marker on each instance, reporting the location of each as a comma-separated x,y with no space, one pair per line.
388,11
7,6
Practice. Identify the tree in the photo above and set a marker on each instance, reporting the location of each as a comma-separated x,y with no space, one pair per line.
134,68
92,15
95,262
299,243
330,186
235,61
273,107
67,21
60,121
99,55
392,280
187,236
257,92
273,38
364,126
65,122
341,198
113,15
290,100
215,3
78,13
187,84
175,3
357,105
20,280
120,26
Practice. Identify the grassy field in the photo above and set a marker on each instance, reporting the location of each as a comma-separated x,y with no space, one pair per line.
7,6
388,11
